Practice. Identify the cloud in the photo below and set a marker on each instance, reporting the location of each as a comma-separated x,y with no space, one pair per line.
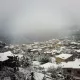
37,17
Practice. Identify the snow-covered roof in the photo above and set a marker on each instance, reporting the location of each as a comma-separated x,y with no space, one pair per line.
34,50
72,64
11,46
48,52
4,56
36,63
74,43
64,56
59,42
8,53
36,42
39,49
48,65
77,50
61,48
35,46
38,76
56,51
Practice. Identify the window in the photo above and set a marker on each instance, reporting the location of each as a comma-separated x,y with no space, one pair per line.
78,72
69,71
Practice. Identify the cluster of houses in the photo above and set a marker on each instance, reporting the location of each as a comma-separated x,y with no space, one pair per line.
63,53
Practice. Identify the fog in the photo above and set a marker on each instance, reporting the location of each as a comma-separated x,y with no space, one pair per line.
37,20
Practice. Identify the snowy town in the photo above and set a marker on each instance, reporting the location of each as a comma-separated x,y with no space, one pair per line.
39,39
56,59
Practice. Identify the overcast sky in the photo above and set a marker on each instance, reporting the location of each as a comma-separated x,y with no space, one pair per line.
38,16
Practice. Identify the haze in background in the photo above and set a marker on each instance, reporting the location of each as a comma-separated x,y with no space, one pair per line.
23,21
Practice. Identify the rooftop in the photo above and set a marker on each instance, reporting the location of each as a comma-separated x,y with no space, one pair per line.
64,56
72,64
77,50
4,56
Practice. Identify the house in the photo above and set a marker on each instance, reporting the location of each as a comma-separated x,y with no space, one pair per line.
71,69
64,58
8,59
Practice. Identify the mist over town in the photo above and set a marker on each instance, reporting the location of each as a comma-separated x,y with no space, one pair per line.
39,40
